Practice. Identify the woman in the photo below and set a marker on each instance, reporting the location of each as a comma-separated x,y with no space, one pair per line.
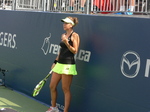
64,66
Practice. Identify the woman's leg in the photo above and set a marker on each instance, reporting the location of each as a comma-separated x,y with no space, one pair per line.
131,5
66,83
83,3
71,5
122,5
53,87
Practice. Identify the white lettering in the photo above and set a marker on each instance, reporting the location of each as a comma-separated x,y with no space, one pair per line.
1,39
54,48
84,55
7,40
147,68
81,55
14,42
60,106
51,46
87,56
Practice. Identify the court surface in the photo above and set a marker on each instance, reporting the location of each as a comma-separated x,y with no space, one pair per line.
20,103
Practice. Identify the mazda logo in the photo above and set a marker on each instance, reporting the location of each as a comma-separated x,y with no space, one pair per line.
130,64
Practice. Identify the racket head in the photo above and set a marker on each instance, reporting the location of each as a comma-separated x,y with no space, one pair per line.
38,88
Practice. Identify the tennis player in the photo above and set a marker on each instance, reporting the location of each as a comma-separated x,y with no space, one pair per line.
64,67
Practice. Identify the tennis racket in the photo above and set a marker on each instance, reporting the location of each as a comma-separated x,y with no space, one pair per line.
40,85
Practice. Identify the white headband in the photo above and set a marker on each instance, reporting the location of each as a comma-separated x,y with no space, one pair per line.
68,20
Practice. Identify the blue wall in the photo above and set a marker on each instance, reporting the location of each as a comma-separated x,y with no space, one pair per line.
112,63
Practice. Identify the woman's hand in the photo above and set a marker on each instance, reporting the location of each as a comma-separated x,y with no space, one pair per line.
64,39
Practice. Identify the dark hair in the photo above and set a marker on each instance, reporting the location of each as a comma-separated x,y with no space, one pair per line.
74,19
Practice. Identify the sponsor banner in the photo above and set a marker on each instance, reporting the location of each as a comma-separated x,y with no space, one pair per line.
48,47
113,61
8,40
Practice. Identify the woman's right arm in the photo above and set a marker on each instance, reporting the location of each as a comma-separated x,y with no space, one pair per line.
55,62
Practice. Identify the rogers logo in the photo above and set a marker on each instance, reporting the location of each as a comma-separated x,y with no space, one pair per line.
130,64
48,47
8,40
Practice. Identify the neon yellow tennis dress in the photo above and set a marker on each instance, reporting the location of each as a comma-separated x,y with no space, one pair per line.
66,62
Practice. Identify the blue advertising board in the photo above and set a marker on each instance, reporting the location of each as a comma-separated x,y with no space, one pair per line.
113,61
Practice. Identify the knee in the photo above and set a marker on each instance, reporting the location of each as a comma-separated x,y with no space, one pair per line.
52,87
65,89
